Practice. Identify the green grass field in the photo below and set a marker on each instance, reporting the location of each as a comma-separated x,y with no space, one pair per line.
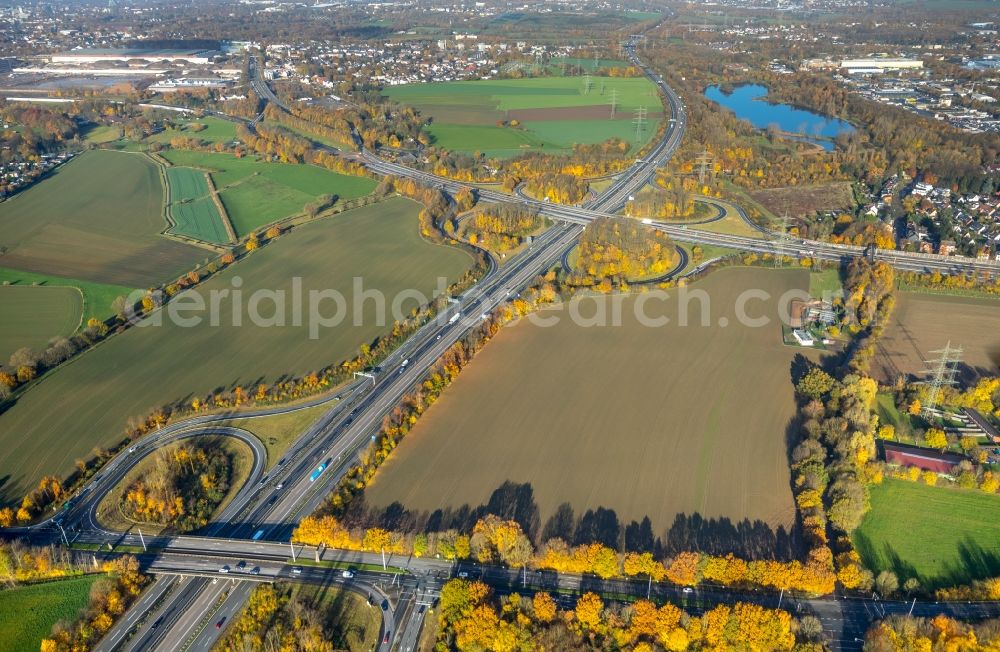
98,218
33,315
489,140
256,193
355,624
145,367
555,112
941,536
27,613
102,134
661,420
825,282
192,208
278,431
216,130
97,297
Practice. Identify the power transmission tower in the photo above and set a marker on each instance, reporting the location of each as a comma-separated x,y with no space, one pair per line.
942,371
781,244
704,162
588,83
639,121
614,102
597,60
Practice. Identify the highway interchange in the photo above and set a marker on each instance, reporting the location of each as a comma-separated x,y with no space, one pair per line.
180,610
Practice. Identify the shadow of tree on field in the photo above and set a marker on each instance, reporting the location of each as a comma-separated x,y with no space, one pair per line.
515,501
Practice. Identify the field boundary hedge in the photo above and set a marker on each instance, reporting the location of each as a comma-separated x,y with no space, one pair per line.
227,224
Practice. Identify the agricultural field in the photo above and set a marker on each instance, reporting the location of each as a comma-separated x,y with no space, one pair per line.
660,421
256,193
27,613
33,315
192,208
146,367
806,201
97,297
922,323
943,537
98,218
554,112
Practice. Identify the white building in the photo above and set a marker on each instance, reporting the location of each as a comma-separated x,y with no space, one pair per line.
880,64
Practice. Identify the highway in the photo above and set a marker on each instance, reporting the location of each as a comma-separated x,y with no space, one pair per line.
191,594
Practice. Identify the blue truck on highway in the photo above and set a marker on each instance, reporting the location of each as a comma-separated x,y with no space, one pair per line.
318,472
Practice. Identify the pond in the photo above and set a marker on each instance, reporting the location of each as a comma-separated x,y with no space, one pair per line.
748,102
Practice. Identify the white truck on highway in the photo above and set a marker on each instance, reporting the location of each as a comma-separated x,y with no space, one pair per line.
455,318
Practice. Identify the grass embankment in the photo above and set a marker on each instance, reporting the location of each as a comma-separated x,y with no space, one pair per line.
146,367
278,431
27,613
941,536
355,623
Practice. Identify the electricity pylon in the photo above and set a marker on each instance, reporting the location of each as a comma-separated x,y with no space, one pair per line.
781,244
942,372
704,162
588,83
614,102
639,121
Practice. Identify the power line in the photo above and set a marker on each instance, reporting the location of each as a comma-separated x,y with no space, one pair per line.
704,162
639,121
942,371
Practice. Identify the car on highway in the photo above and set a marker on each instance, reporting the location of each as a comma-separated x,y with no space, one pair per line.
385,605
385,640
279,485
218,625
241,565
463,574
255,570
224,569
347,574
156,623
688,589
296,570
